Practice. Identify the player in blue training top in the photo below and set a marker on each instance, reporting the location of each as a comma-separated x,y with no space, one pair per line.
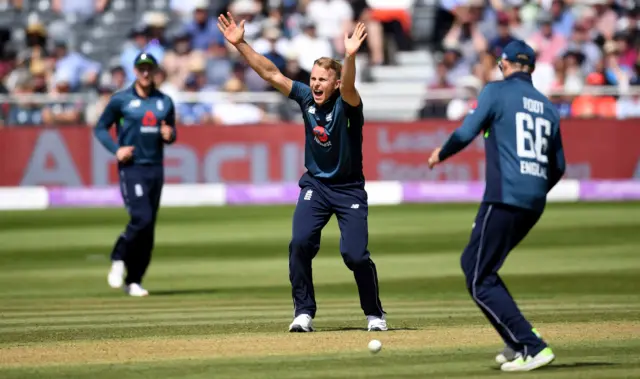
525,160
145,122
334,182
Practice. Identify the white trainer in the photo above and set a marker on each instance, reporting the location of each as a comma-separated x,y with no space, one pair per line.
301,324
116,274
529,363
377,324
134,289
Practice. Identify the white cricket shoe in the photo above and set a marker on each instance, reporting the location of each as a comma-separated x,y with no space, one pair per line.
301,324
134,289
116,274
529,363
377,324
508,354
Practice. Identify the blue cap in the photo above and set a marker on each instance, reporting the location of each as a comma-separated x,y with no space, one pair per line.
145,58
519,52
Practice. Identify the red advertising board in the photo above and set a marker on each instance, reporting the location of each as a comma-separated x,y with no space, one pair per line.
71,156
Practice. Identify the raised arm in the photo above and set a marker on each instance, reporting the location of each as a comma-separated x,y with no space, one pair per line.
348,78
260,64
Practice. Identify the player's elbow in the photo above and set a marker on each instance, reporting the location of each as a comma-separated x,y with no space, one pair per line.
350,95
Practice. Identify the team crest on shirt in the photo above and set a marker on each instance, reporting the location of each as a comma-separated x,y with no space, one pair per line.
329,117
321,137
159,105
312,109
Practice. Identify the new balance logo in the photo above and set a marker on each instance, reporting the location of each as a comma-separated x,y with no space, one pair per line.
307,196
355,206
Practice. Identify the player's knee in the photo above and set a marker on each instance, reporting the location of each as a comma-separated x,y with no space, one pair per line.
354,261
142,222
300,243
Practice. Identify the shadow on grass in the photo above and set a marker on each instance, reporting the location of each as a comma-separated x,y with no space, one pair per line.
574,365
351,329
190,291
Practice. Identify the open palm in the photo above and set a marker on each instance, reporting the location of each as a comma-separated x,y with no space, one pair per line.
353,43
232,32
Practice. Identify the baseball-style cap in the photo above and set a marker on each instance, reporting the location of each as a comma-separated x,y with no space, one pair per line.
145,58
519,52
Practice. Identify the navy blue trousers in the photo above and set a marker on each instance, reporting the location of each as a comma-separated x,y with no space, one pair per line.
497,230
316,204
141,188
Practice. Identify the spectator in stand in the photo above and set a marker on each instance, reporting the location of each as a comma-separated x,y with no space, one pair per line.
233,113
184,9
581,42
309,47
456,66
272,36
249,11
176,60
466,35
375,34
574,76
196,112
62,110
272,40
203,30
82,70
437,107
562,18
504,36
156,22
94,109
395,18
547,42
36,40
627,53
518,28
23,112
139,41
118,78
460,106
82,9
606,18
331,18
219,66
39,76
165,86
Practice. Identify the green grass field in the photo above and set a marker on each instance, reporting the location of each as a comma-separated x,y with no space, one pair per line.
220,302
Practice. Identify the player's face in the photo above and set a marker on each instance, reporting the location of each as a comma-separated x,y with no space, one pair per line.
323,84
144,74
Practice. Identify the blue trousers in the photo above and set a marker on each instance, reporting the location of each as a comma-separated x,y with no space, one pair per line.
317,202
141,188
497,230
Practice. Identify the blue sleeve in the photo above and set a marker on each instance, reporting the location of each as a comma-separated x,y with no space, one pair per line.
300,93
109,116
171,121
557,162
472,125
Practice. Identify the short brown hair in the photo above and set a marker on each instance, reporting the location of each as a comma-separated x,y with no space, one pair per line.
329,64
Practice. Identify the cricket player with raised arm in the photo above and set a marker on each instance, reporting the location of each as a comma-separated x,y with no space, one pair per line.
145,122
334,181
524,161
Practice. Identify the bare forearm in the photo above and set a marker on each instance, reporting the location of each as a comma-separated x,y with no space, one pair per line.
259,63
349,73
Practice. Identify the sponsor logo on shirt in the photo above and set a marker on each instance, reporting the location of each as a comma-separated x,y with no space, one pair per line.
321,137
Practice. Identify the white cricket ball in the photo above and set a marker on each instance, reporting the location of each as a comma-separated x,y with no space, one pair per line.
375,346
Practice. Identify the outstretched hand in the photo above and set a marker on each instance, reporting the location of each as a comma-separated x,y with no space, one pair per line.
353,43
434,159
230,30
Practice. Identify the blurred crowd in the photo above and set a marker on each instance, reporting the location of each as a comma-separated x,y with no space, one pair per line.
579,43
